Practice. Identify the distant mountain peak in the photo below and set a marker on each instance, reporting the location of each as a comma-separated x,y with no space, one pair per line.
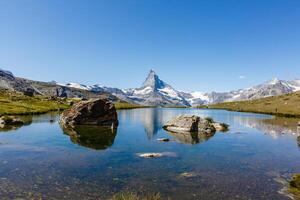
273,81
153,81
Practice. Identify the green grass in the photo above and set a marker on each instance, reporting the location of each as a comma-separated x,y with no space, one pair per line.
15,103
294,186
134,196
125,105
285,105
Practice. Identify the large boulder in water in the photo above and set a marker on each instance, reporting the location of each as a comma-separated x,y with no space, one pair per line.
92,112
193,123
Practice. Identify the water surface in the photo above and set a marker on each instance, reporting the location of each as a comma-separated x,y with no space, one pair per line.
44,160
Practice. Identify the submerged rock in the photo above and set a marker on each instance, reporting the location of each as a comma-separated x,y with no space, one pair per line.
163,139
157,155
188,175
99,112
220,126
294,186
193,123
150,155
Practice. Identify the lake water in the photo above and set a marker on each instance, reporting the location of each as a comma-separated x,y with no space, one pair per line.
40,160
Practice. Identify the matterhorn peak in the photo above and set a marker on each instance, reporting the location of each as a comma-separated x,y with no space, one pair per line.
153,81
274,81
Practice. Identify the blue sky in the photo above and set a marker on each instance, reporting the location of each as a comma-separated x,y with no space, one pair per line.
193,45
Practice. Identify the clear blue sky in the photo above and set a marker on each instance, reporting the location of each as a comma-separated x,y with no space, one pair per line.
193,45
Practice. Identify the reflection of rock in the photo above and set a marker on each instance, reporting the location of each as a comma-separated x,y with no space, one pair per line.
9,123
191,138
10,120
94,137
92,112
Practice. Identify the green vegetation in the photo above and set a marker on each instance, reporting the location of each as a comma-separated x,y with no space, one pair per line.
134,196
209,119
15,103
125,105
287,105
294,186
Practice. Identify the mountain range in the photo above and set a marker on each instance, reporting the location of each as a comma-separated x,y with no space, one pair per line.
153,91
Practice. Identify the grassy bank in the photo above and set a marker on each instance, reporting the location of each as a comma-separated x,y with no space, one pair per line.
125,105
285,105
15,103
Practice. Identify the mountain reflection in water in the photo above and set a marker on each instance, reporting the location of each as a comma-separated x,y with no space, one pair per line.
151,119
274,127
94,137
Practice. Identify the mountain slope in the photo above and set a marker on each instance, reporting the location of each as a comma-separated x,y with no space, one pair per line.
9,82
153,92
274,87
285,105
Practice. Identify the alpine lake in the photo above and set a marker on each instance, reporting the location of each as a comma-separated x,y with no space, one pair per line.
253,160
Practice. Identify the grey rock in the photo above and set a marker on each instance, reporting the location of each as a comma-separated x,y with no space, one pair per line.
193,123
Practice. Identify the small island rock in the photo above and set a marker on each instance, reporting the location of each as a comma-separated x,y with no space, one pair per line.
193,123
99,112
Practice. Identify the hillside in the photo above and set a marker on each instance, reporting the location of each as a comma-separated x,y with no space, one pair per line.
283,105
17,103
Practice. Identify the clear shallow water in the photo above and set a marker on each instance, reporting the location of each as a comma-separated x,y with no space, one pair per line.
41,160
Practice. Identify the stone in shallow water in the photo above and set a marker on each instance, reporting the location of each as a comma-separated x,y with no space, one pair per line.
157,155
163,139
150,155
193,123
294,186
99,112
188,175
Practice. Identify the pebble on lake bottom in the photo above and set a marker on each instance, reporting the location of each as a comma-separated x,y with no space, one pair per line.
163,139
149,155
188,175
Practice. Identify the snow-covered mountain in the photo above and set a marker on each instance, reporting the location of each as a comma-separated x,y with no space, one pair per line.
273,87
153,92
156,92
